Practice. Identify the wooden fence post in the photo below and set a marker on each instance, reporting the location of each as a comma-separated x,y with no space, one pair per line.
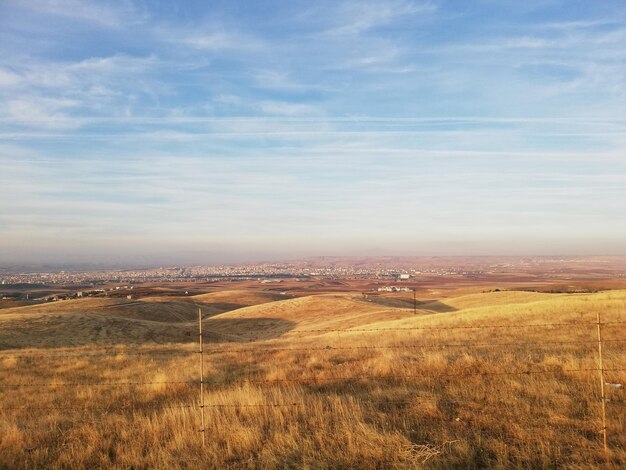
602,391
202,430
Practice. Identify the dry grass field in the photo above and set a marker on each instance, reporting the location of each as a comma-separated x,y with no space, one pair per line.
324,381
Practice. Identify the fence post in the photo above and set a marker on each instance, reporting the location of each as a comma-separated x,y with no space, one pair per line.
603,395
202,430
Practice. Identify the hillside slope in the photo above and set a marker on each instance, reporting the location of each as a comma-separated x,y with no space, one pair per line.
271,316
385,388
118,321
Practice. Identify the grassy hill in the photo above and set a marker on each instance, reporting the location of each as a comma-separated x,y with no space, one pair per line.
225,301
83,322
120,321
325,381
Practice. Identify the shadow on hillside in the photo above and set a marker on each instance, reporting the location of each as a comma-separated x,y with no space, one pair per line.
98,331
247,329
176,310
434,305
218,308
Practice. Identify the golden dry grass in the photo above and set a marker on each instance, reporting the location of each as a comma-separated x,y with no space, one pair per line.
243,298
283,396
215,303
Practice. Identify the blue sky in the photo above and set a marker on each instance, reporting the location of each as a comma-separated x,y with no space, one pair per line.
200,132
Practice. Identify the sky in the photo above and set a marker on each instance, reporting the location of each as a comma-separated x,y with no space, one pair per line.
202,132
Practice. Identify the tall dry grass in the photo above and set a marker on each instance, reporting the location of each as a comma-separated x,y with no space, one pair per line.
417,399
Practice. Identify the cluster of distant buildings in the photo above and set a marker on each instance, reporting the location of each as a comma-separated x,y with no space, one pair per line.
400,277
394,289
261,272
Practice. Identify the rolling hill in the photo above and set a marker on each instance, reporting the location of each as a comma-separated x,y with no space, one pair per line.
440,389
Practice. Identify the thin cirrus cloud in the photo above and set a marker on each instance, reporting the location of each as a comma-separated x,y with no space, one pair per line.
107,14
245,130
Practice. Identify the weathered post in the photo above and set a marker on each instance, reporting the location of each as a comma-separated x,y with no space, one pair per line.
202,429
602,391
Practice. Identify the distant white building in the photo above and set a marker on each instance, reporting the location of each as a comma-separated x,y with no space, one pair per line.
404,277
394,289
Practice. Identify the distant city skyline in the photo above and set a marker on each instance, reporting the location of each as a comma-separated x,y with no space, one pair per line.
139,133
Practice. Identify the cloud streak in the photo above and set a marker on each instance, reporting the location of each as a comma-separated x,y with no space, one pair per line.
337,128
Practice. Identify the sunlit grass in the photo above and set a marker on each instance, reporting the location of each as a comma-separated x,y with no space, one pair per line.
399,399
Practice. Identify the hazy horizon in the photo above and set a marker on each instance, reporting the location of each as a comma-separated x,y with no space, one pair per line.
318,261
202,133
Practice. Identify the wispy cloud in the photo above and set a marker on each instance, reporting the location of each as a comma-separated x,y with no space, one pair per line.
60,94
110,14
356,17
44,112
277,80
222,41
119,119
8,78
288,109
